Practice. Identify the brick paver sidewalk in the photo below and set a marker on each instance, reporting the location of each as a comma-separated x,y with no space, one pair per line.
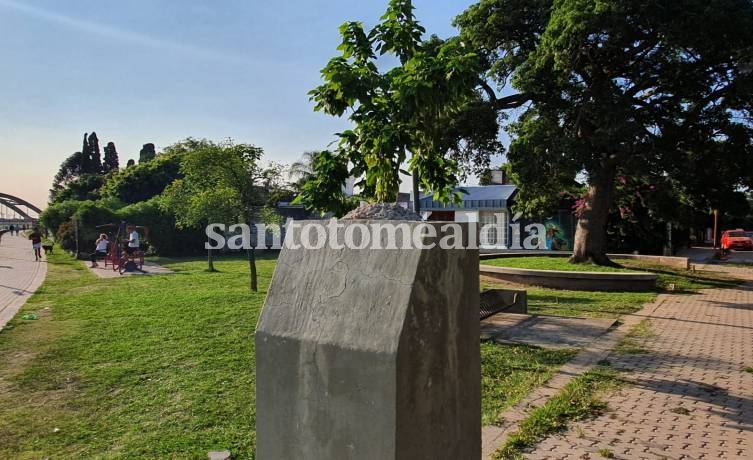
20,275
689,397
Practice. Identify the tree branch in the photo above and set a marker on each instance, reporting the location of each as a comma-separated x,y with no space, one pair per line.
504,103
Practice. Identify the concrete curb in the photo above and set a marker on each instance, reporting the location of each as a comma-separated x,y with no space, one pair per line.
573,280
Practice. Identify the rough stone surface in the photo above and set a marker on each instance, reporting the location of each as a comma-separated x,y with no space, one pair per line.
383,211
369,354
220,455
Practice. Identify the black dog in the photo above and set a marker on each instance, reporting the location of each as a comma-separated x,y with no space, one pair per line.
47,248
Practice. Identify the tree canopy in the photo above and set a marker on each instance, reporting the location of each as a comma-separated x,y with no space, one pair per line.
406,109
614,88
220,184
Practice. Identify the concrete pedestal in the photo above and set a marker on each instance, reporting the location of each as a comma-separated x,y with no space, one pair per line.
370,354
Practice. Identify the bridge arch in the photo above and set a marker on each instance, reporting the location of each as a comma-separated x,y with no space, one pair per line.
28,212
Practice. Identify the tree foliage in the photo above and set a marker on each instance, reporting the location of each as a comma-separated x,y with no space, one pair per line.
147,153
405,109
322,191
617,88
220,185
111,161
145,180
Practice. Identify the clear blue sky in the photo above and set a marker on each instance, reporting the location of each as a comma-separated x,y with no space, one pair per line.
142,71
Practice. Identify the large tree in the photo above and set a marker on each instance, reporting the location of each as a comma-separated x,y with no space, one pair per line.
220,181
111,162
616,88
147,153
403,113
93,154
80,175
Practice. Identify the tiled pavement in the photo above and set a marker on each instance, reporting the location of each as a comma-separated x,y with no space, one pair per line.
689,396
20,275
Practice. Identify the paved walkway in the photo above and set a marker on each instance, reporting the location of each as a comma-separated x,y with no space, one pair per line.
149,268
689,397
20,275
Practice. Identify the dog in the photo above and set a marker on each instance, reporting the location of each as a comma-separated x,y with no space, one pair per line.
47,248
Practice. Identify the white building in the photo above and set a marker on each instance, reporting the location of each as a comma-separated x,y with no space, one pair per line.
482,204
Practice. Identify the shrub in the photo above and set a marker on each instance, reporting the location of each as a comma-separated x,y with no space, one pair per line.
164,238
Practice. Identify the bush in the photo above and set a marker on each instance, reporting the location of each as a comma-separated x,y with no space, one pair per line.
164,238
66,236
145,180
59,213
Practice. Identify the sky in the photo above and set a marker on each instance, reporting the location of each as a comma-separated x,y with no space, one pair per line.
160,71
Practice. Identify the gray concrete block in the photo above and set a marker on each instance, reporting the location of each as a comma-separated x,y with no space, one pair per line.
370,354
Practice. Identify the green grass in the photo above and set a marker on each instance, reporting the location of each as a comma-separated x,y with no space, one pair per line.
163,366
543,301
135,367
549,263
632,343
683,280
611,304
579,400
510,372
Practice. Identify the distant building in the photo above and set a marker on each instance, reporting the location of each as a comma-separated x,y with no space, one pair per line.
481,203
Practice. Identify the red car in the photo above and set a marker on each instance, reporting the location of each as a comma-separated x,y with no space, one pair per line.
736,239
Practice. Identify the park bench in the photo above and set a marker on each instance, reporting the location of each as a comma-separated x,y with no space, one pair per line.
495,301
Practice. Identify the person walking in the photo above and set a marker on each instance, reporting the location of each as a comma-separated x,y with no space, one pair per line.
36,243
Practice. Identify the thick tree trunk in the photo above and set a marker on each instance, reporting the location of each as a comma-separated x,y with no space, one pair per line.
590,242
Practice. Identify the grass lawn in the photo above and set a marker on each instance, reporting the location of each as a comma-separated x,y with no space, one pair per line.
163,366
581,399
510,372
135,367
549,263
543,301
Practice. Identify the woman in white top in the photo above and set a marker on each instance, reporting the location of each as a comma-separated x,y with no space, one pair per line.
101,250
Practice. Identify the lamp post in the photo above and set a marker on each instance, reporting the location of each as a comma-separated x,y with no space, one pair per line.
716,225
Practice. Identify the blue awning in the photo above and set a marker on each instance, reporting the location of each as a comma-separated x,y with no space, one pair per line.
477,197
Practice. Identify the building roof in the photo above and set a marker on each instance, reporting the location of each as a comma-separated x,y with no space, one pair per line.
475,197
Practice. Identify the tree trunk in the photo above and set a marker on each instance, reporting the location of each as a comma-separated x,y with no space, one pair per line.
416,201
590,242
252,267
250,253
210,260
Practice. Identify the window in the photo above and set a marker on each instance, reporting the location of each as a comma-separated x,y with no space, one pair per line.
493,228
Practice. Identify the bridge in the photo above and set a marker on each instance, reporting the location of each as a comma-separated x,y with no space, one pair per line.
17,211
